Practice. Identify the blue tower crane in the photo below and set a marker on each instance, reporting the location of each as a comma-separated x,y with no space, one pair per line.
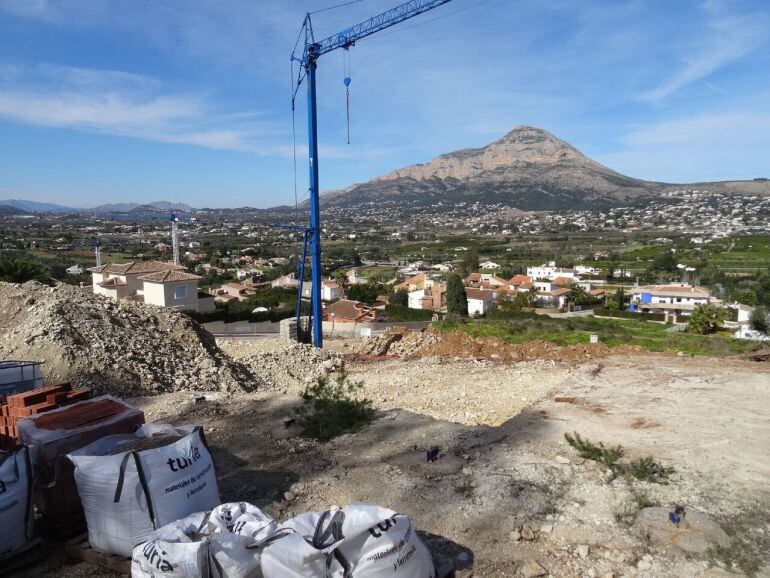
312,51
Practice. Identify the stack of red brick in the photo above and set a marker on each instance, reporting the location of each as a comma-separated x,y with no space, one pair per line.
24,405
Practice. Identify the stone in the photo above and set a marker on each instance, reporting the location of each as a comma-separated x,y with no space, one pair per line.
562,460
696,534
514,536
582,550
546,528
532,569
527,533
644,564
289,496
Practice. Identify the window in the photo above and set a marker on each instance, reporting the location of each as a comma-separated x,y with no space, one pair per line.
180,292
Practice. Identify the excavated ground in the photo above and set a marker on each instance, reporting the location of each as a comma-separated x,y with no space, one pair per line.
504,461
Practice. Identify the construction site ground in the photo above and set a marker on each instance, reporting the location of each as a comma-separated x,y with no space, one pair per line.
504,461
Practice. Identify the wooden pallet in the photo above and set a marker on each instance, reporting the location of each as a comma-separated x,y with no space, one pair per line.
80,548
30,555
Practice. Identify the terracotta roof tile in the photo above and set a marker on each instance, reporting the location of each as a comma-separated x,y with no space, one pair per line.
169,277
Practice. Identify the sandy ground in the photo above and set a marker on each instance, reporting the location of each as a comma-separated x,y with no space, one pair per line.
505,462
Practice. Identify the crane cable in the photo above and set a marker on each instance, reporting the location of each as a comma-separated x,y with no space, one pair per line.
336,6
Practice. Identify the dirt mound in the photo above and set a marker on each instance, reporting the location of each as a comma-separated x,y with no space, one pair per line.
285,365
123,349
432,343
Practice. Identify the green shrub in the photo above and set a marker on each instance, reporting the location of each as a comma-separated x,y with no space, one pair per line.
330,409
645,469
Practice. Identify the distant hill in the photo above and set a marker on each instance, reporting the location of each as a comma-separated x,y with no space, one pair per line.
142,207
9,210
528,168
35,207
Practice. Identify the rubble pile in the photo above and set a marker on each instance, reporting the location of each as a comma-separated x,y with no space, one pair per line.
122,349
285,365
458,344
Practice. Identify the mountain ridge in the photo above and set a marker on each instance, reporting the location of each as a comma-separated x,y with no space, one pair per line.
528,168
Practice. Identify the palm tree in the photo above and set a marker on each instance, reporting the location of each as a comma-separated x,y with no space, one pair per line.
16,270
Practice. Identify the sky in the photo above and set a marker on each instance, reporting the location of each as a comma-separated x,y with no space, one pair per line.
107,101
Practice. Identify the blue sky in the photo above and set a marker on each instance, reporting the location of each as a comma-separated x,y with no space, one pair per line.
106,100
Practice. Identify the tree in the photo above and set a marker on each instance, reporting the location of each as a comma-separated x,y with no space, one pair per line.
706,319
469,263
400,297
366,293
620,298
664,263
15,270
759,321
456,300
763,291
521,301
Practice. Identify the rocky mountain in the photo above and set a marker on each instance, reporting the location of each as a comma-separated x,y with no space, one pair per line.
528,168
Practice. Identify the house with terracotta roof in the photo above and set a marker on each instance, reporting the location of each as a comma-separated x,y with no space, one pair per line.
480,301
234,292
412,283
153,282
518,283
331,290
558,297
348,311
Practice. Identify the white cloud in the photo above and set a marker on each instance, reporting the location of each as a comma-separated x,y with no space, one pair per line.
131,105
726,39
714,146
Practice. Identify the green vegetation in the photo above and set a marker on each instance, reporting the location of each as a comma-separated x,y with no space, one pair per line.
402,313
330,409
399,297
367,293
645,469
759,321
456,300
17,270
706,319
515,328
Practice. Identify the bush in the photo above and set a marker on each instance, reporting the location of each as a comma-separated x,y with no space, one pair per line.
366,293
639,316
15,270
332,409
402,313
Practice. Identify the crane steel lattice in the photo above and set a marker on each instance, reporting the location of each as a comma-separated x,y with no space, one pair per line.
312,51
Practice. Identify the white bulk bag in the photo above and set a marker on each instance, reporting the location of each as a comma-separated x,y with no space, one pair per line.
128,495
15,505
359,541
226,542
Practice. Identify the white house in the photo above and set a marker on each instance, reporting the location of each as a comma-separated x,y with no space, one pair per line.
151,282
550,272
489,265
480,301
355,279
75,270
331,290
673,298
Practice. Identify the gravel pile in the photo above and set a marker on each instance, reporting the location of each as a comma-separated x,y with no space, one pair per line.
400,342
285,365
119,348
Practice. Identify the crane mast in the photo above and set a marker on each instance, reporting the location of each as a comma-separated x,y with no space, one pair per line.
312,51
